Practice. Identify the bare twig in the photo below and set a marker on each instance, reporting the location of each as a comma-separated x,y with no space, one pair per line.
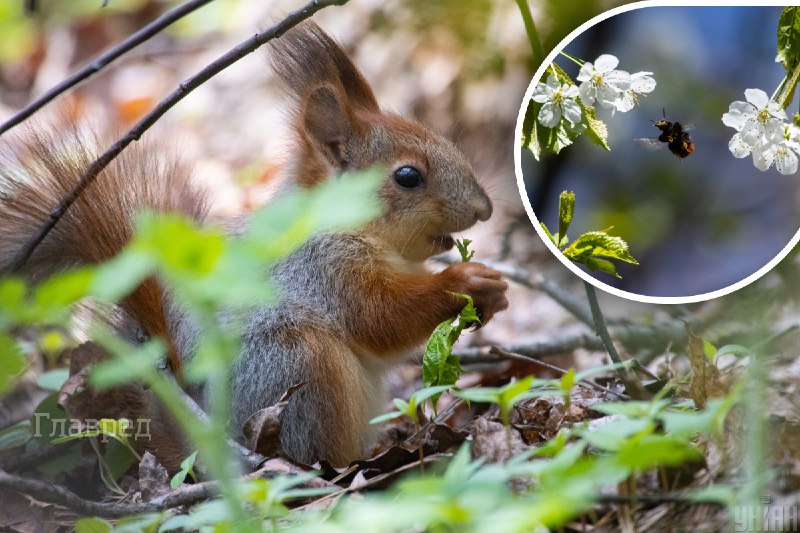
632,336
185,495
59,495
102,60
184,88
586,382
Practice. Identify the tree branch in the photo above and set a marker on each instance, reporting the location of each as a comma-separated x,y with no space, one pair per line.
184,88
184,495
103,60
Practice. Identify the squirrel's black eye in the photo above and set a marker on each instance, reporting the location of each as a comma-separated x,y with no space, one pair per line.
408,177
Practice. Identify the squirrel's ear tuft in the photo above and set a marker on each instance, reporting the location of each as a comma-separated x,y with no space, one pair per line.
306,57
328,123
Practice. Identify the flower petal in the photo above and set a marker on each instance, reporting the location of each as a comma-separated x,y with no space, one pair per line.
570,91
776,110
752,132
606,63
738,147
619,79
571,110
626,103
737,115
763,158
586,72
773,130
785,161
550,115
641,82
588,92
757,97
553,83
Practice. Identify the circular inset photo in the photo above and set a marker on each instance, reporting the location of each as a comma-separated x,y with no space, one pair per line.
659,149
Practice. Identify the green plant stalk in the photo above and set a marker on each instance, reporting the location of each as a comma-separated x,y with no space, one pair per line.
789,86
530,29
779,88
572,58
210,439
755,437
600,323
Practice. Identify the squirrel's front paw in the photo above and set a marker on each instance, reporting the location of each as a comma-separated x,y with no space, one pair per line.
484,284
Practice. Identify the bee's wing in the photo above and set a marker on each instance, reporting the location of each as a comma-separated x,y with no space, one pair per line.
687,127
649,143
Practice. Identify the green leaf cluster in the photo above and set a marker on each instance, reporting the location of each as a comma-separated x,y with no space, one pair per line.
593,249
788,51
439,365
537,138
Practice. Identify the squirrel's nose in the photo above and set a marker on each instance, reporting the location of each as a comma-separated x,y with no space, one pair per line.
482,207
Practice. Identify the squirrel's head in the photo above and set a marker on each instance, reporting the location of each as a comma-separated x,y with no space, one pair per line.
429,190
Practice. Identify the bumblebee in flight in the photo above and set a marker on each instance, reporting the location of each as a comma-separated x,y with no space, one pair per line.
674,134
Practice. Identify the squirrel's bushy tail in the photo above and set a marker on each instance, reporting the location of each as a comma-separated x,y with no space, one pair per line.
39,168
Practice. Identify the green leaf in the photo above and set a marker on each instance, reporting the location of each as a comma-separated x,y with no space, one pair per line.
595,264
141,360
144,523
387,416
788,36
63,290
567,380
92,525
187,468
49,420
53,379
596,130
600,243
439,365
566,210
655,450
463,250
118,458
12,362
614,434
637,409
709,349
530,133
553,238
735,349
589,248
15,436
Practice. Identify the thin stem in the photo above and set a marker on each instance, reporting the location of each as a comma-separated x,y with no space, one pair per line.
103,60
530,29
575,60
789,87
600,323
779,88
184,88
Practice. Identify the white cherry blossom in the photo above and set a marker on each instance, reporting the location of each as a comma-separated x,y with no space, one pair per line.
603,84
763,133
558,100
641,83
759,120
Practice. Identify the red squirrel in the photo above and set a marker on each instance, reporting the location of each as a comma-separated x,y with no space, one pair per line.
352,304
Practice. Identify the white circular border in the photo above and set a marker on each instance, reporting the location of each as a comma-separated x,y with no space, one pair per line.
523,193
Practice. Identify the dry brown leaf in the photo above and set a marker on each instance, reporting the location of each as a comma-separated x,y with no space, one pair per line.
494,441
706,380
262,431
153,478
